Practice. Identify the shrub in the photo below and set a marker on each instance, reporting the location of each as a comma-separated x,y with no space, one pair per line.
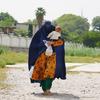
3,49
98,44
91,39
21,32
2,63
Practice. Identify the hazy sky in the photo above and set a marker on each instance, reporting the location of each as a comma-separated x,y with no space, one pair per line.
22,10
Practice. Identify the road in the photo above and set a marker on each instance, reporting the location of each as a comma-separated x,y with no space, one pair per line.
77,86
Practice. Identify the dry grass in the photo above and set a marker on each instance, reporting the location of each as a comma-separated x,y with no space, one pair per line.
86,59
3,78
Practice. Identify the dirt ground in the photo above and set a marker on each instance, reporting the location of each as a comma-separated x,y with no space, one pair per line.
77,86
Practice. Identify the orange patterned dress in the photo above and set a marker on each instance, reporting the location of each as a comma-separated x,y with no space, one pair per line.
45,65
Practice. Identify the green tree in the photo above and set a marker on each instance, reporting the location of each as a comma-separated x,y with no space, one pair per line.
73,24
91,39
40,12
96,23
6,20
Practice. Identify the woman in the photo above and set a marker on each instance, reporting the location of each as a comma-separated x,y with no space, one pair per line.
46,68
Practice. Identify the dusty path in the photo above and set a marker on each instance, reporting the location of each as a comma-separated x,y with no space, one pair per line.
78,86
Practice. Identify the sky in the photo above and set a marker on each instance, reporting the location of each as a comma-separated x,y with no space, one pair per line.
22,10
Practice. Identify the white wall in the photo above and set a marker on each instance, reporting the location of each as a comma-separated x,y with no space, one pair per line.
14,41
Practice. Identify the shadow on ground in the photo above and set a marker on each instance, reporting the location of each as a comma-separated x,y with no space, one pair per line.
59,96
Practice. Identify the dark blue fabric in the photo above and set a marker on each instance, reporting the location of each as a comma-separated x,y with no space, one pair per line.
60,71
37,45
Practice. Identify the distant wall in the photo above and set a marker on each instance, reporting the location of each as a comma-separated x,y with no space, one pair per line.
14,41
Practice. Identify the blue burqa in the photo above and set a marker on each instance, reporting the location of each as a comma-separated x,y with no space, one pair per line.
37,47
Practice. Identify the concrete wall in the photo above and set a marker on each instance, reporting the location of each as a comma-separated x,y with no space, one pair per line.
14,41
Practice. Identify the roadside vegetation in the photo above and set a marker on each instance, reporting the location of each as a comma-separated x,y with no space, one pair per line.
76,49
74,53
79,53
8,57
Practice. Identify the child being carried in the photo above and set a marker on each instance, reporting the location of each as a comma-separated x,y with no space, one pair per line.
54,35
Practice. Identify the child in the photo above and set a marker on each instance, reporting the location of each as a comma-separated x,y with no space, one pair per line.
54,35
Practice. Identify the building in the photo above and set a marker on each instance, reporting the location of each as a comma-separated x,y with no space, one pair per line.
21,26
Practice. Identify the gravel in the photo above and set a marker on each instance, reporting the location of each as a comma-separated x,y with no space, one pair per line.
77,86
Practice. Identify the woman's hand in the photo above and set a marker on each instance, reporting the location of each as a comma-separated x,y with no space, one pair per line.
50,43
